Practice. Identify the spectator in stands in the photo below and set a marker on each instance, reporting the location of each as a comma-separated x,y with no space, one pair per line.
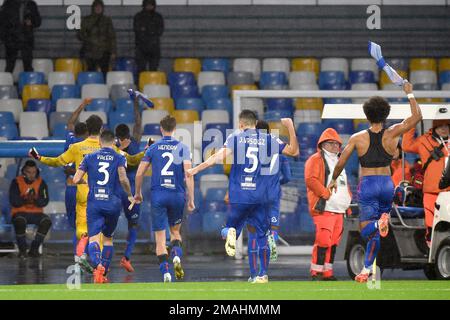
98,39
18,19
397,167
148,27
28,195
433,148
326,208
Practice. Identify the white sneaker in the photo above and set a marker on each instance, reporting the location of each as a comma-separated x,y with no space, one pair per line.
251,279
262,279
230,244
167,277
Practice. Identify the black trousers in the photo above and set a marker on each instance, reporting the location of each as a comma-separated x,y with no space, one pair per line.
11,57
102,63
20,222
150,57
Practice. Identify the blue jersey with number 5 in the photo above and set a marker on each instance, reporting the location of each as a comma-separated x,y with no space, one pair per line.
101,167
167,156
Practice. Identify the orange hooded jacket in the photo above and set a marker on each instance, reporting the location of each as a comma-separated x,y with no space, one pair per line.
422,146
316,173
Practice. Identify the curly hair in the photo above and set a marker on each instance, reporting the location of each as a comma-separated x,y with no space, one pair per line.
376,109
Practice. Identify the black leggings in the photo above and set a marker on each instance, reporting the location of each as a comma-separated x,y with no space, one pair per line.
20,222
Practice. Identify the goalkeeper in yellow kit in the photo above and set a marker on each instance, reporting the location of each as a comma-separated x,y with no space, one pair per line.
75,154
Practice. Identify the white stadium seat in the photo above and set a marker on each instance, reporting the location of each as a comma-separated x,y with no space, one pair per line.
298,78
423,76
12,105
6,79
153,116
94,91
33,124
157,90
67,105
254,104
86,114
248,65
215,116
365,64
206,78
276,65
60,77
119,77
335,64
209,181
43,65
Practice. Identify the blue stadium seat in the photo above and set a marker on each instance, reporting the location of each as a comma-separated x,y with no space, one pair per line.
190,104
280,104
222,127
312,129
213,219
126,64
118,117
177,79
362,126
100,104
270,79
306,153
65,91
216,64
329,78
408,212
56,191
307,141
9,131
124,104
53,175
397,100
352,166
444,77
210,92
337,100
60,130
362,77
30,78
220,104
12,171
89,77
289,223
276,115
6,117
342,126
43,105
152,129
306,222
215,194
336,86
188,91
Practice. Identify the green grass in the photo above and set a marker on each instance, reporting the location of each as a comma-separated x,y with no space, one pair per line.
291,290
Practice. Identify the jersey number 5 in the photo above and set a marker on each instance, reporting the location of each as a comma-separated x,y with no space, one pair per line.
252,154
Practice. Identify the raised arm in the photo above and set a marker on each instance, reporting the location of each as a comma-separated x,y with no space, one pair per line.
346,153
60,161
74,117
143,167
137,130
187,164
292,149
217,157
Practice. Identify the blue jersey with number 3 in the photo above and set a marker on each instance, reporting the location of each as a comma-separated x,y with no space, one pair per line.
167,156
101,167
254,155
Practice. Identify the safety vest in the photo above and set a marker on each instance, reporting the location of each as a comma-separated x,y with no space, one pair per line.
23,189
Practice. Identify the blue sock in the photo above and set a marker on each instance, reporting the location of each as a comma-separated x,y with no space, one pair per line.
163,264
177,250
373,245
74,242
107,255
224,233
369,229
264,255
252,254
131,241
94,253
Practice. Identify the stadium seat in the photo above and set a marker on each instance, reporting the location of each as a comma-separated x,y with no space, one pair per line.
59,78
308,103
337,100
238,78
214,218
126,64
216,194
301,77
177,79
187,65
157,90
90,77
273,80
444,77
12,105
6,117
100,104
118,117
216,64
153,116
64,91
423,76
152,129
308,152
334,64
214,92
278,129
423,64
276,115
248,65
42,105
399,63
276,65
189,91
163,104
254,104
12,171
151,77
196,104
305,64
43,65
210,181
306,86
60,130
30,78
35,91
6,79
310,129
215,116
363,87
124,104
119,91
444,64
426,86
210,78
280,104
220,104
311,116
330,78
362,77
94,90
342,126
185,132
33,124
86,114
119,77
8,92
243,87
384,79
58,117
186,116
68,104
72,65
365,64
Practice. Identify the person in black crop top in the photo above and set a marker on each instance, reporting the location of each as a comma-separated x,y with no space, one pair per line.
375,148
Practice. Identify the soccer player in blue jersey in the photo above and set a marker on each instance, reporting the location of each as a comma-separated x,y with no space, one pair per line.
106,170
255,154
170,159
130,144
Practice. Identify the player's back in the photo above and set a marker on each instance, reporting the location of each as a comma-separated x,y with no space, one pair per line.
167,156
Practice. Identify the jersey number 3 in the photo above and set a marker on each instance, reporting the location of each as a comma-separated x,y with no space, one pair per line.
102,169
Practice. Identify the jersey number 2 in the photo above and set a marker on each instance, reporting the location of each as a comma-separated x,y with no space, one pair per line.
164,171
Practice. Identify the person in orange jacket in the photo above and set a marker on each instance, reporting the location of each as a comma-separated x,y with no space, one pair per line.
397,168
433,149
325,208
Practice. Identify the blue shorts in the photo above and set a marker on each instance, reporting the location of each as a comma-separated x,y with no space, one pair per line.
375,196
102,216
256,215
71,203
167,208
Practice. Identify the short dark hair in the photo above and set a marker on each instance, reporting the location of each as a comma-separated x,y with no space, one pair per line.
147,2
80,129
248,117
168,123
376,109
107,136
262,125
122,131
94,125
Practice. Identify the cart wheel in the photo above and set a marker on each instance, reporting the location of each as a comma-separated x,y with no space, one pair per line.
442,265
430,272
355,261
